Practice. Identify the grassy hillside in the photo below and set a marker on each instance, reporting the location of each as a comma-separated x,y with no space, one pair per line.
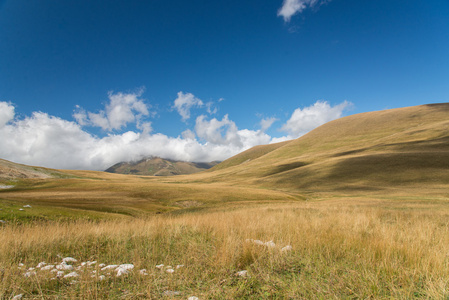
399,148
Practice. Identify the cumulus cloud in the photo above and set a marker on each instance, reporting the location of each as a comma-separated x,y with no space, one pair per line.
308,118
6,113
45,140
292,7
123,108
266,123
185,102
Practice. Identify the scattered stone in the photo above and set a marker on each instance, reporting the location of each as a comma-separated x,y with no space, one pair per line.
287,248
48,268
17,297
143,272
242,273
31,269
21,209
193,298
179,266
60,274
64,266
121,271
170,271
127,266
27,206
2,221
101,265
109,267
160,266
29,274
69,259
270,244
41,264
72,274
21,265
90,263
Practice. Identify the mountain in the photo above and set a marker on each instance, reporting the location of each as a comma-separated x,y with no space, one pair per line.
159,167
396,148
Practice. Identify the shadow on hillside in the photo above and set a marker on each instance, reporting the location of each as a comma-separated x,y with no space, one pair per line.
285,167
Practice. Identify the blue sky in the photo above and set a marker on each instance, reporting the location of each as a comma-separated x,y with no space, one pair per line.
200,80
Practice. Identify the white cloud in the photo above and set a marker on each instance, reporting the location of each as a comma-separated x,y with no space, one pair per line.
122,109
49,141
45,140
6,113
292,7
184,103
308,118
266,123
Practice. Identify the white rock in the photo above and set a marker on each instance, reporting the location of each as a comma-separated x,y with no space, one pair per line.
21,265
63,266
17,297
29,274
160,266
27,206
48,268
41,264
31,269
54,270
101,265
270,244
109,267
2,221
90,263
60,274
179,266
170,271
21,209
101,277
121,271
69,259
258,242
242,273
72,274
143,272
193,298
287,248
83,264
127,266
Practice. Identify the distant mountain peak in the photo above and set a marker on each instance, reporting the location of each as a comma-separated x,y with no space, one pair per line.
157,166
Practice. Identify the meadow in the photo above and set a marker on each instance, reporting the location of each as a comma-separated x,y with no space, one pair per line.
341,248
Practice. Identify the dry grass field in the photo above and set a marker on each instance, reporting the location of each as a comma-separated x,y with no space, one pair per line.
356,209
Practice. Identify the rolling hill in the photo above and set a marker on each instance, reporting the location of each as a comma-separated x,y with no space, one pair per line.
404,147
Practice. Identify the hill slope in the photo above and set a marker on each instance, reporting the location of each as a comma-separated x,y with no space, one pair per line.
376,150
10,170
159,167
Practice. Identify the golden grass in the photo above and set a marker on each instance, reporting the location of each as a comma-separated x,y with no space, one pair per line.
372,249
